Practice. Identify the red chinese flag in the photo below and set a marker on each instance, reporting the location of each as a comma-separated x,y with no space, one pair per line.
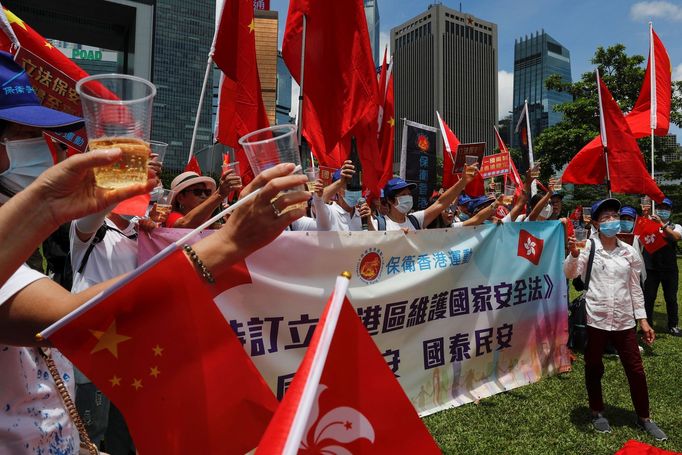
650,234
240,106
633,447
387,131
193,165
340,77
344,397
657,96
160,349
626,165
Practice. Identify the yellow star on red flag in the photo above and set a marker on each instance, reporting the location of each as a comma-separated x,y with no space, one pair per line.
108,340
49,45
115,381
252,25
13,19
391,122
137,384
158,351
154,371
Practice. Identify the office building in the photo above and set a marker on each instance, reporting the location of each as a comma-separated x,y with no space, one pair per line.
283,92
446,61
266,56
537,57
372,15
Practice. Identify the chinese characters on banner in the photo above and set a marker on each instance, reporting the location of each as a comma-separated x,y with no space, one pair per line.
57,91
418,160
455,319
494,165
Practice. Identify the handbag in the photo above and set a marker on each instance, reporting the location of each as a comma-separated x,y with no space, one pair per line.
87,447
577,313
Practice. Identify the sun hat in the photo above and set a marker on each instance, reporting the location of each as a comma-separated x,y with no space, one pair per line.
20,104
189,178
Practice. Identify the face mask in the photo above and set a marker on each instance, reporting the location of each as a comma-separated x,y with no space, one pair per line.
28,158
404,204
546,212
463,216
626,226
610,228
663,214
351,197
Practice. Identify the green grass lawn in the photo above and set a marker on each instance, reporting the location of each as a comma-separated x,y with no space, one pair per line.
552,416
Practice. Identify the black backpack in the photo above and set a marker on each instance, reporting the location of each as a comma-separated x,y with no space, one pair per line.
381,222
577,313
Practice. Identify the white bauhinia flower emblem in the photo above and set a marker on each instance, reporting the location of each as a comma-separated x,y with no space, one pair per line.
649,239
339,426
530,247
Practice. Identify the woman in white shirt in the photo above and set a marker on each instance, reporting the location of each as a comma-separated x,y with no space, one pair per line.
614,305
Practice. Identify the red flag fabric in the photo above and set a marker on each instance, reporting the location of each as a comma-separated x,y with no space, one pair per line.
514,173
633,447
340,77
387,131
193,165
650,234
627,169
530,247
477,186
176,371
639,118
240,105
354,405
586,170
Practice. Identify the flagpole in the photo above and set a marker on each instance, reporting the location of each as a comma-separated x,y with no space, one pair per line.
602,128
653,107
299,116
209,63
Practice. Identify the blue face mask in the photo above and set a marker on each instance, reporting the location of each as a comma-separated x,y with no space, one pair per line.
663,214
626,226
463,216
610,228
351,197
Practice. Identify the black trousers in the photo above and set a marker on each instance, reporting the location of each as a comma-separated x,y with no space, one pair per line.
669,281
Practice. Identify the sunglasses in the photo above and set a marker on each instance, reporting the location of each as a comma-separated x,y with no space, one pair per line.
199,191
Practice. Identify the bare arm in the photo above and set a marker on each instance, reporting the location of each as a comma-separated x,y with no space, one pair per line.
446,199
533,215
347,172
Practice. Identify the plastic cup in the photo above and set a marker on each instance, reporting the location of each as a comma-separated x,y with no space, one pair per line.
646,202
117,109
159,149
227,167
587,214
269,147
556,185
535,170
509,191
164,205
313,174
580,237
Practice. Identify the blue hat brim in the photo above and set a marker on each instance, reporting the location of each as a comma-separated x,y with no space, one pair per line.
604,204
41,117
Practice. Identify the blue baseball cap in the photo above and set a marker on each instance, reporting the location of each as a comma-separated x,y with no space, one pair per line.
628,210
20,104
479,203
609,203
396,184
463,200
667,202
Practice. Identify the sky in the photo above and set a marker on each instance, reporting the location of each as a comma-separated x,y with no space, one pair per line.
580,25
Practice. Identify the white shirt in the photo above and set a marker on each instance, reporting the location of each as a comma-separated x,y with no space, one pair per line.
407,224
321,222
115,255
614,299
344,221
32,416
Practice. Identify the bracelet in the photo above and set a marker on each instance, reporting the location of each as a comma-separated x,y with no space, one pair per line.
205,273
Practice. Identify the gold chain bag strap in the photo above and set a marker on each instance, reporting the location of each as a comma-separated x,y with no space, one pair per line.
87,446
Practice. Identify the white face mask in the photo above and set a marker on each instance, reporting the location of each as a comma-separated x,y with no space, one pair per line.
546,212
404,204
28,158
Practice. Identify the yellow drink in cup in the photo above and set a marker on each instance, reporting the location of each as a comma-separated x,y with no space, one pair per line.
130,169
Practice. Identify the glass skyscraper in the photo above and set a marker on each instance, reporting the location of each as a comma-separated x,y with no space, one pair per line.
536,57
372,15
283,92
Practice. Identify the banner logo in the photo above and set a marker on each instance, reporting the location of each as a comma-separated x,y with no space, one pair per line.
423,143
369,266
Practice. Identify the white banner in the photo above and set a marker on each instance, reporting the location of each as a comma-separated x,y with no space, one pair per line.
459,314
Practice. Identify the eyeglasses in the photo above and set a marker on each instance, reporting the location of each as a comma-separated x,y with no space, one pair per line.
199,191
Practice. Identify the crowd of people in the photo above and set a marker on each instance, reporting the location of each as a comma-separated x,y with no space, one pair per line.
38,198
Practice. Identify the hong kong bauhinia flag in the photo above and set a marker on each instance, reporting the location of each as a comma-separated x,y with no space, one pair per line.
340,82
240,105
344,398
650,234
160,349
